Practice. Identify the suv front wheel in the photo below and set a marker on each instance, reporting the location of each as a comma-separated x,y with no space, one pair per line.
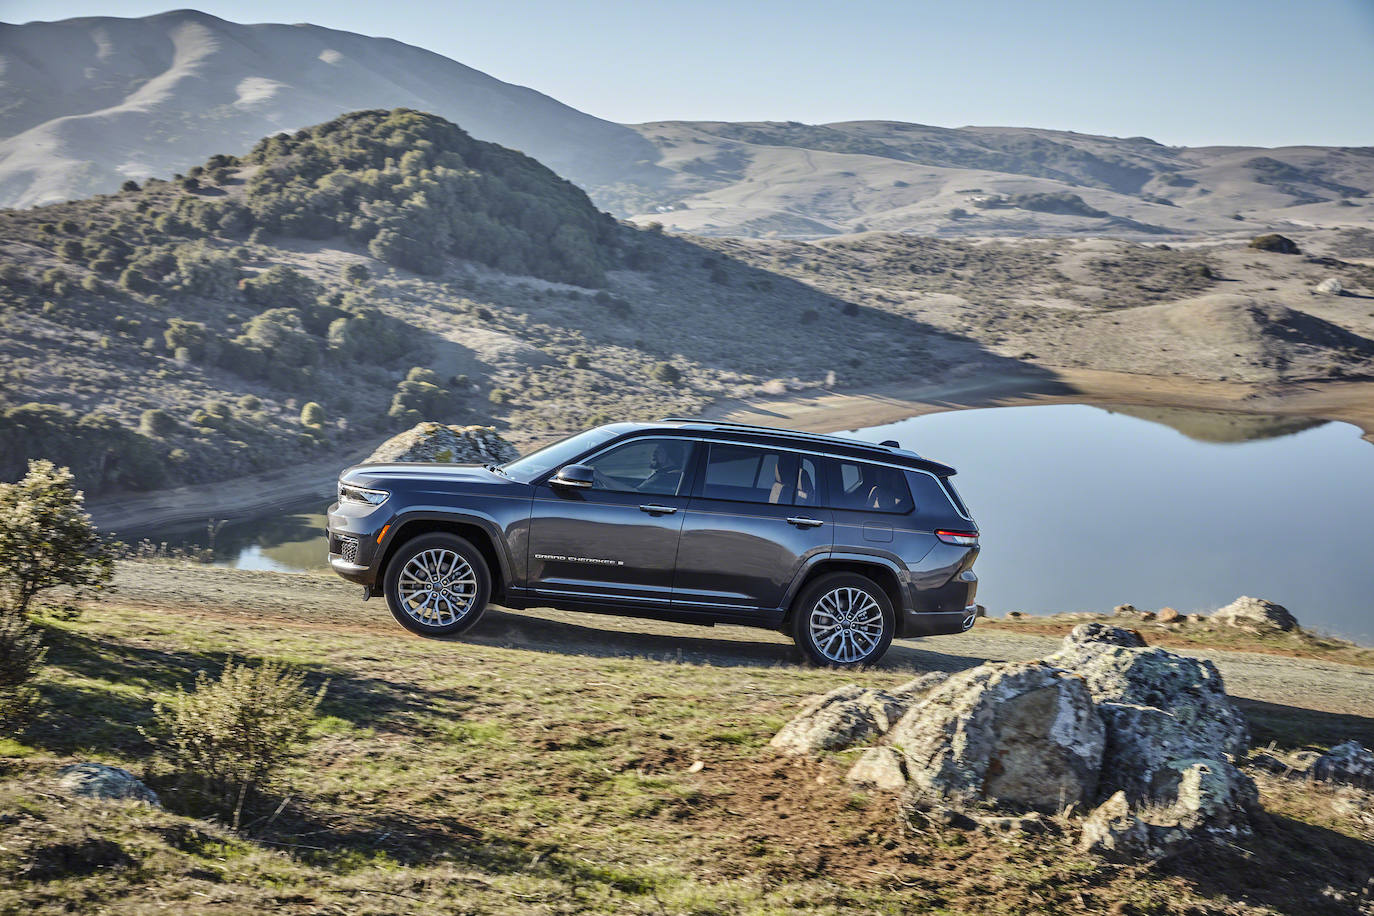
437,585
843,620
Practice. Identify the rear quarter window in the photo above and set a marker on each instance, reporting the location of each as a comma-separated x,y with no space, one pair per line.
933,500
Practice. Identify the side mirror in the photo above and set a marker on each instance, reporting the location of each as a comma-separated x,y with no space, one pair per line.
573,475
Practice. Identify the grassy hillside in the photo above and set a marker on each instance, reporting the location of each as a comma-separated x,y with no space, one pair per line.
386,267
559,764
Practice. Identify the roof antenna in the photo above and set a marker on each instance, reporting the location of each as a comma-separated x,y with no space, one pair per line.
891,443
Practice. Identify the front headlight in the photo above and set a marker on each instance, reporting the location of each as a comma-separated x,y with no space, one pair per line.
351,493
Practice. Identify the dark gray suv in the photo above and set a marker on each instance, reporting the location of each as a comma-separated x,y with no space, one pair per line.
842,544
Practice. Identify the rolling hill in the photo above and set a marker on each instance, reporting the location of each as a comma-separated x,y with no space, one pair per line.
89,103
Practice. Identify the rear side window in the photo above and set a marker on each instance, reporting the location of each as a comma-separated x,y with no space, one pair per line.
746,474
933,500
866,487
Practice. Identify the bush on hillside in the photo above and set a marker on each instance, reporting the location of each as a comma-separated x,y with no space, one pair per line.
99,451
312,415
666,372
21,656
416,189
233,736
1275,242
421,395
281,287
47,540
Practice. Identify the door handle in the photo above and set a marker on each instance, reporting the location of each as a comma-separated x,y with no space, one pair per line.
803,522
658,510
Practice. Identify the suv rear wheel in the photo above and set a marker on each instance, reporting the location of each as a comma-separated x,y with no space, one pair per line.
843,620
437,585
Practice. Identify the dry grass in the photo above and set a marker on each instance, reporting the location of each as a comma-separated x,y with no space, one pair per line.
481,778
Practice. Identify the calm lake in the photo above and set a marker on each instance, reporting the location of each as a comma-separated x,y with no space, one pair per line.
1083,508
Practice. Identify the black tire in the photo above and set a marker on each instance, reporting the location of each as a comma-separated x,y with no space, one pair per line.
440,547
807,607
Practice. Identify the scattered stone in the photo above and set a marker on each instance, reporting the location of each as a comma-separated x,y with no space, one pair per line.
1168,615
1021,734
447,445
841,718
1257,615
1125,610
1269,763
1330,287
96,780
882,767
1015,615
1147,615
1350,762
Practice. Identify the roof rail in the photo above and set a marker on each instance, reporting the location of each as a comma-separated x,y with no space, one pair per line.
774,431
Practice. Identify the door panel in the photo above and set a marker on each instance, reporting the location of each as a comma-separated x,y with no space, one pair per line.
738,548
618,540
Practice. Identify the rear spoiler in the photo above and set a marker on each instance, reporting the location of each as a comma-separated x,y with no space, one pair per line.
935,467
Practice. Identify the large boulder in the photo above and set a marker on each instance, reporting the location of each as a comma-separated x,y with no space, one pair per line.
96,780
1256,615
446,444
1350,762
1088,640
1024,735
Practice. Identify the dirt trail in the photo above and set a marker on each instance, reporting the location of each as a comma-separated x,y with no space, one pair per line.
322,601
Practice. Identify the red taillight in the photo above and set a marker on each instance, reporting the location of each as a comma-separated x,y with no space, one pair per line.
962,538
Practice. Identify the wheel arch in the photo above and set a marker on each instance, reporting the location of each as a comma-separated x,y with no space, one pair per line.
475,531
884,574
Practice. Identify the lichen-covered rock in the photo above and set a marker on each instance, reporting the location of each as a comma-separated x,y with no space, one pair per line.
447,445
1330,287
841,718
1024,735
96,780
882,767
1088,640
1113,830
1350,762
1256,614
920,686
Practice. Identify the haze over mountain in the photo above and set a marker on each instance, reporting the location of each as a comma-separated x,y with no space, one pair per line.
89,103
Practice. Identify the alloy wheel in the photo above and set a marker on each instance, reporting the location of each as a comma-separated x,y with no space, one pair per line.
846,625
437,587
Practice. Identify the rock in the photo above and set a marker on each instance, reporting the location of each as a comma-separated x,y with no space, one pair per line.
1021,734
1088,640
95,780
919,686
1269,763
882,767
1330,287
841,718
1257,615
1147,615
446,444
1015,615
1125,610
1168,615
1113,830
1350,762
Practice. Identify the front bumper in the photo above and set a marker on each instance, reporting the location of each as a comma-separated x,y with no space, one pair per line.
354,532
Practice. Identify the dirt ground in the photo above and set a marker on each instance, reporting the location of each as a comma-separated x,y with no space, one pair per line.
322,601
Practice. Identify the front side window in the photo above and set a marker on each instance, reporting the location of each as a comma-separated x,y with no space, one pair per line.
655,466
742,473
868,487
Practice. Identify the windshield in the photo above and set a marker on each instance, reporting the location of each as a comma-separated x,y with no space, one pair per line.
528,467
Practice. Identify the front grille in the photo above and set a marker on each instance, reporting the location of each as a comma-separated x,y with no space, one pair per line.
348,549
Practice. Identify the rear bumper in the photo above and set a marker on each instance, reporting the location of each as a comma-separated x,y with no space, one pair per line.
940,623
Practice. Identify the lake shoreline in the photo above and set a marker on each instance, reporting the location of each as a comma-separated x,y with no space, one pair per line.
179,509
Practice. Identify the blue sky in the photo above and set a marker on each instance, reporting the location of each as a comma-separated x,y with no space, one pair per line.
1253,72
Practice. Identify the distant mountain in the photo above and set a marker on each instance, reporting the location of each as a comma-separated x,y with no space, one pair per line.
87,103
790,179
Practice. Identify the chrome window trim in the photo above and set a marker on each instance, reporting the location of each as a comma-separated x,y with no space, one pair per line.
953,503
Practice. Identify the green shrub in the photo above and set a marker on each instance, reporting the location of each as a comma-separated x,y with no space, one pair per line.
21,656
189,336
129,185
99,451
1275,242
156,423
48,540
356,273
312,415
234,736
578,361
250,402
281,287
666,372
